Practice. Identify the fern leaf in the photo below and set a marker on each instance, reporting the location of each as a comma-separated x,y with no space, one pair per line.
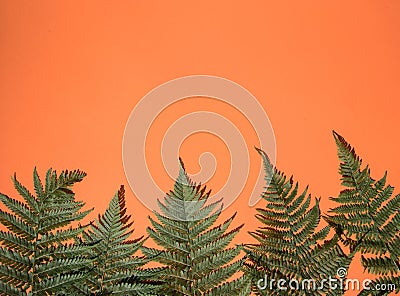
369,217
194,253
289,246
35,258
116,267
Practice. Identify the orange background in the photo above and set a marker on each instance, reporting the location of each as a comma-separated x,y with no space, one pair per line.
71,72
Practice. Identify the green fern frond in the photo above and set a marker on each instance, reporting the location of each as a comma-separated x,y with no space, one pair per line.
116,268
35,256
195,254
289,246
368,219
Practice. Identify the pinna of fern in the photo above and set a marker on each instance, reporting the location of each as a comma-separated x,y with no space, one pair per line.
194,252
368,218
117,269
36,253
290,248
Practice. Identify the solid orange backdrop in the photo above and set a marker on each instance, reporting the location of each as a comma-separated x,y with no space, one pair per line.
72,71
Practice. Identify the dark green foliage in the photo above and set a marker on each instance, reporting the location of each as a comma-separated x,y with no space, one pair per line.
195,253
43,251
368,217
289,247
36,253
116,269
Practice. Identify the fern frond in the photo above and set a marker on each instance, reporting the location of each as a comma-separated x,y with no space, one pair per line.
289,246
369,218
34,255
116,268
195,255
